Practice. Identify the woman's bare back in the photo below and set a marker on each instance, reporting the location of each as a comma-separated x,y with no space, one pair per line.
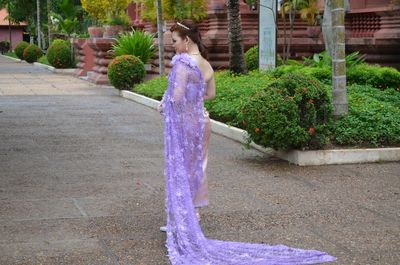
208,75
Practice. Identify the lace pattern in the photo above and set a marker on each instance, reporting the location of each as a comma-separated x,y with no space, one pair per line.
184,119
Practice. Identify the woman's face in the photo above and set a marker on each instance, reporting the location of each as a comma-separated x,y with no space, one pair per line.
178,43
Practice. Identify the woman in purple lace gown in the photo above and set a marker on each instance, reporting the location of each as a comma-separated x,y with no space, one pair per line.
185,120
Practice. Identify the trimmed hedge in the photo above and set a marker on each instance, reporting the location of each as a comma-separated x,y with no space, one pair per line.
19,49
4,46
374,75
251,58
126,70
32,53
292,112
373,119
59,54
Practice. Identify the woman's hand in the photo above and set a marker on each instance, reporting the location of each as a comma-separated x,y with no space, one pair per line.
160,107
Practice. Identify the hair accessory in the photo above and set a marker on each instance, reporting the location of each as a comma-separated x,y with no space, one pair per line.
180,24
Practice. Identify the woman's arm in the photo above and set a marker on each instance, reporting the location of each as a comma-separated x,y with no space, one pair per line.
210,89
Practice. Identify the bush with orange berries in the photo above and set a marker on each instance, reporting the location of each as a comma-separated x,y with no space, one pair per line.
292,112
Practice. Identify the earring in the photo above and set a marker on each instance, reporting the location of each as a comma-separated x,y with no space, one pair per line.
186,47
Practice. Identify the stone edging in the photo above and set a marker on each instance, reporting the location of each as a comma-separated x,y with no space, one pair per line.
48,67
67,71
298,157
340,156
217,127
12,58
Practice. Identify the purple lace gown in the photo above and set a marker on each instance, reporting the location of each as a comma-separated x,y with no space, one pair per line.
184,122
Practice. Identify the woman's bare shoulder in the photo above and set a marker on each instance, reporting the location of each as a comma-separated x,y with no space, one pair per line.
209,66
209,70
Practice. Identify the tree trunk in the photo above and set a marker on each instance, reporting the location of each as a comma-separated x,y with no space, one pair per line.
292,17
284,57
160,34
38,23
338,59
236,57
9,26
49,21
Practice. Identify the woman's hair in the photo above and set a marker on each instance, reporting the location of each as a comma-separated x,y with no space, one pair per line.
193,33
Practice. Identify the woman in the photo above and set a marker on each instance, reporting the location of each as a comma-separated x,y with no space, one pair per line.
197,51
190,81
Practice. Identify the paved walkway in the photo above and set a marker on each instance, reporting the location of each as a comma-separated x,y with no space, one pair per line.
81,182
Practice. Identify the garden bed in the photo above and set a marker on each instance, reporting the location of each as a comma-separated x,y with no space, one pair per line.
341,155
369,133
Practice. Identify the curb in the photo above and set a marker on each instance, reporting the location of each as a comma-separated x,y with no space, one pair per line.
48,67
301,158
217,127
67,71
340,156
12,58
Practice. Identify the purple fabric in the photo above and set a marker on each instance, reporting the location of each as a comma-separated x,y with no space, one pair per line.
183,113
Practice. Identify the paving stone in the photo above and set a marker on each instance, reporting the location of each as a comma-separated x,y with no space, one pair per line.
81,182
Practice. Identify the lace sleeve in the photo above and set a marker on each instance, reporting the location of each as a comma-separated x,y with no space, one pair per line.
180,86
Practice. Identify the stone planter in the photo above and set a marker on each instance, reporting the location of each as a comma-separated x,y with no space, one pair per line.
313,31
103,57
112,31
80,56
147,66
95,32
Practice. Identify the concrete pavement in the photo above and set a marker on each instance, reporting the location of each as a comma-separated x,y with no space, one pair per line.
81,182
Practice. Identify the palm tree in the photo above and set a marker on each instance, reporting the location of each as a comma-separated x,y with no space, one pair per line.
289,7
160,37
236,57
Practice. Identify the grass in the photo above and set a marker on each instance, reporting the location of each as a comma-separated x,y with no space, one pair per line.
11,54
43,60
373,119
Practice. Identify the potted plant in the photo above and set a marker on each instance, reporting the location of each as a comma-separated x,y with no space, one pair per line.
95,31
116,24
309,12
116,17
137,43
97,11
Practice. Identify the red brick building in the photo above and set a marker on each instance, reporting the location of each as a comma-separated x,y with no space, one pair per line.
372,27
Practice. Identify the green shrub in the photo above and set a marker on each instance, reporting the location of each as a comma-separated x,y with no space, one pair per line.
137,43
122,19
60,41
323,59
43,60
125,71
373,119
252,62
153,88
374,75
251,58
292,112
19,49
11,54
32,53
59,54
4,46
232,90
323,74
285,69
